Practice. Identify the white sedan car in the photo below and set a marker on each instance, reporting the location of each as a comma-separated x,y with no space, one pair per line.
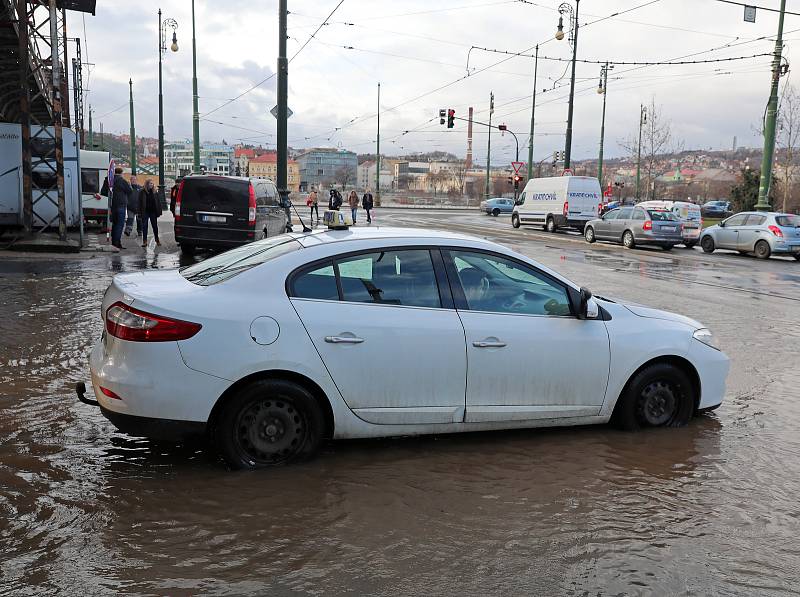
274,346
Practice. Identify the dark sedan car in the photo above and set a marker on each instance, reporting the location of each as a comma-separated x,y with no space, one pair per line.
717,209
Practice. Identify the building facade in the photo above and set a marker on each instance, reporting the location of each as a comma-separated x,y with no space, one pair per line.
266,166
215,158
366,176
322,167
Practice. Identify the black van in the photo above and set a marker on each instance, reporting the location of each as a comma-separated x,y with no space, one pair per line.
221,212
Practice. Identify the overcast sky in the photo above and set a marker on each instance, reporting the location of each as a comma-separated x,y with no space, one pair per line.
416,46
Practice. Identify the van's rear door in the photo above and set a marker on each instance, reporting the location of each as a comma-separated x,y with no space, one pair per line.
215,208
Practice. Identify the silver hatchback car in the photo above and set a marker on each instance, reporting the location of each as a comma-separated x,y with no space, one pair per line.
762,233
635,225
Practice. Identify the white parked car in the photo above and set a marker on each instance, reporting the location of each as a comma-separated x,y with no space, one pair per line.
273,346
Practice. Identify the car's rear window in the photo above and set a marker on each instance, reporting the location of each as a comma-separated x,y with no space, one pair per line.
214,193
788,220
658,215
224,266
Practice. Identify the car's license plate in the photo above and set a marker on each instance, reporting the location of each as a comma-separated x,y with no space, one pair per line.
668,228
214,219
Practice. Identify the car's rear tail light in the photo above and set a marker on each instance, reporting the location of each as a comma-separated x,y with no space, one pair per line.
178,202
566,208
648,225
776,231
109,393
251,209
127,323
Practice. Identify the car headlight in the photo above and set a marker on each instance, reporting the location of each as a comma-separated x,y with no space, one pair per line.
706,337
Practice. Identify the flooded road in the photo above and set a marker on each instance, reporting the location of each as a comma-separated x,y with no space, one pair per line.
711,509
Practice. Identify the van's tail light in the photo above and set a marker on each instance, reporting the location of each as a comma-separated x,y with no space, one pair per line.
648,225
776,231
566,208
127,323
251,208
178,202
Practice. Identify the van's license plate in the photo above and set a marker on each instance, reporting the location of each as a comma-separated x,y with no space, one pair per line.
214,219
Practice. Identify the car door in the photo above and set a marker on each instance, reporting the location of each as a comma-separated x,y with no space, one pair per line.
727,236
602,229
621,223
528,357
393,345
749,232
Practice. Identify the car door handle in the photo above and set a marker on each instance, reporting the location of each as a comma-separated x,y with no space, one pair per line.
343,340
489,344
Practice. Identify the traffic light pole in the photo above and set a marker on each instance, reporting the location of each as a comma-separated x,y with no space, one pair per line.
489,144
769,124
602,126
500,127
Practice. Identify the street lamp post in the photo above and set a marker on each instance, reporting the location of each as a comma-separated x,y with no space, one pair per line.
195,110
566,8
602,88
642,120
162,48
489,144
533,115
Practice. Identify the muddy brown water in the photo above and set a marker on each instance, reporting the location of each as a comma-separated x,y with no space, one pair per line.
711,509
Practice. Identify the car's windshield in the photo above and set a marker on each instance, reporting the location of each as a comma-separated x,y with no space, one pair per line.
788,220
221,267
662,216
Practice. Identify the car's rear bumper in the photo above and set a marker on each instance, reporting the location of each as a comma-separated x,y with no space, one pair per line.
659,240
212,237
161,429
787,248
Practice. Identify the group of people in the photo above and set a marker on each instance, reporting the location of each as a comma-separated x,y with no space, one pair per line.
335,202
131,202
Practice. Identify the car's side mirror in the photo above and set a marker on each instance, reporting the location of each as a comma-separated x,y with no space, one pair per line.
587,308
721,224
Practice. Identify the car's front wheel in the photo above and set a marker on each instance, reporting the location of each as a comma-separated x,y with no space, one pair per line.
659,395
707,244
495,212
588,234
762,249
269,422
515,220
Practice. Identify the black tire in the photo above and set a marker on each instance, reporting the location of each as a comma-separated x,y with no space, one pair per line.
707,244
270,422
187,249
797,256
668,247
588,234
762,249
628,241
515,220
495,212
550,225
689,244
659,395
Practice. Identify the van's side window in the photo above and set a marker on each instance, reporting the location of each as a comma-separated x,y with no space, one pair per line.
521,199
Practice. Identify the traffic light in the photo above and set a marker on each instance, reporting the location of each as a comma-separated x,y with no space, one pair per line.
442,114
451,116
517,178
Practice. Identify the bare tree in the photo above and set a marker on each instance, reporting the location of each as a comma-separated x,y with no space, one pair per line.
438,180
460,176
344,175
788,140
657,140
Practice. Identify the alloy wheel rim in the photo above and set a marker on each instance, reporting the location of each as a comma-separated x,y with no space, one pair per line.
628,240
658,403
270,431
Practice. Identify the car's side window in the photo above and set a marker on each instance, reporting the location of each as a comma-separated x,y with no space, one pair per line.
638,214
612,215
316,283
625,213
755,220
521,199
398,277
737,220
497,284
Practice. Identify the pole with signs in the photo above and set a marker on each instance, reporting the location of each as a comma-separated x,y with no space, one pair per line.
489,144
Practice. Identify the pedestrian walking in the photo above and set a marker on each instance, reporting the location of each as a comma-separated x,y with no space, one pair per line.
120,193
367,202
149,211
335,200
173,194
133,209
352,201
313,204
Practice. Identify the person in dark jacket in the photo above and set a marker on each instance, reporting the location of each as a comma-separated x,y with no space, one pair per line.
149,211
173,194
133,209
335,201
120,193
368,203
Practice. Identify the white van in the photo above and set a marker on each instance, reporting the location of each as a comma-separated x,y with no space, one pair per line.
94,171
558,202
689,214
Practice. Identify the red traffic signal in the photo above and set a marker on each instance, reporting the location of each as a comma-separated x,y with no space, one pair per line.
451,115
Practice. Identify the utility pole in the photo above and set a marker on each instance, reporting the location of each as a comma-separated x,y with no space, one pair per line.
283,90
769,124
91,133
195,110
573,38
642,120
378,154
57,122
533,115
489,143
603,88
133,133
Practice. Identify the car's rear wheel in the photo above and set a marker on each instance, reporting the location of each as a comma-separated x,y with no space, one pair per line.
659,395
588,234
550,225
495,212
707,244
762,249
515,220
627,240
187,249
689,244
269,422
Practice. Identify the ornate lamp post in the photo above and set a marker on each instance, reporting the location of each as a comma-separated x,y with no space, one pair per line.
163,25
566,8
